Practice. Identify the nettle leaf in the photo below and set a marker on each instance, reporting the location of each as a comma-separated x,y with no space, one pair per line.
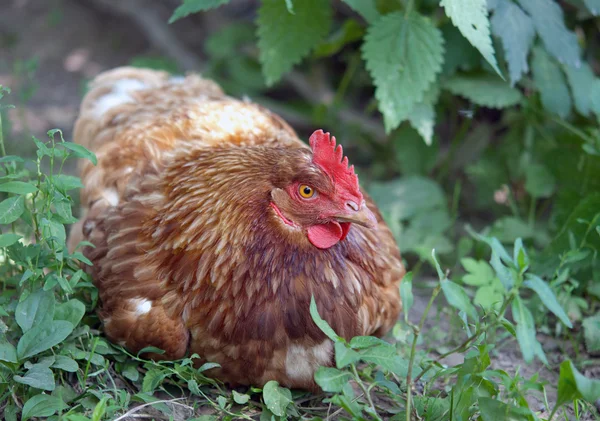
276,398
406,294
574,385
11,209
41,406
366,8
547,296
493,410
550,81
591,330
194,6
34,310
284,38
43,337
331,379
488,91
581,79
471,18
403,55
38,376
422,116
525,329
549,22
515,28
18,187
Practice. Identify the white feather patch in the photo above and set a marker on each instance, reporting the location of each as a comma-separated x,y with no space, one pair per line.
118,96
141,305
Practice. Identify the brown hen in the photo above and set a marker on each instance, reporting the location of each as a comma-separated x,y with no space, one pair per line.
214,225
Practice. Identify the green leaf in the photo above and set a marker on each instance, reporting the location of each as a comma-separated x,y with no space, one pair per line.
71,311
41,406
591,330
515,28
18,187
130,371
38,376
387,357
471,18
65,182
581,79
422,116
240,398
152,379
43,337
344,355
65,363
547,296
7,240
574,385
406,294
479,272
488,91
495,410
82,151
551,83
194,6
276,398
488,297
34,310
549,22
520,256
458,298
11,209
8,351
285,39
525,329
362,342
539,182
331,379
322,324
403,55
366,8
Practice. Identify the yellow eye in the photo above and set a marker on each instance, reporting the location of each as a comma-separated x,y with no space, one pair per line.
306,191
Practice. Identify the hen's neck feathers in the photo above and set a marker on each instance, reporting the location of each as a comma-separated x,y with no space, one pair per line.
216,221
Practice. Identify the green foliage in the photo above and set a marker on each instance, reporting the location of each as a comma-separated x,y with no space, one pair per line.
285,38
403,54
194,6
471,18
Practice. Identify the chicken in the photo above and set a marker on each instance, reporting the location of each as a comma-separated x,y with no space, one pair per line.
214,225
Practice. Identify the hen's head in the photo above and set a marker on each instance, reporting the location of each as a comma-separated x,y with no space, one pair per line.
322,196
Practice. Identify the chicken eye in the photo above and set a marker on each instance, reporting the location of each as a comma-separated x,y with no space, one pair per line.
306,191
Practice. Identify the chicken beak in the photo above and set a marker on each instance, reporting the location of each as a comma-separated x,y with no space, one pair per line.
362,216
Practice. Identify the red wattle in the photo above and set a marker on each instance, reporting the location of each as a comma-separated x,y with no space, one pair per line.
326,235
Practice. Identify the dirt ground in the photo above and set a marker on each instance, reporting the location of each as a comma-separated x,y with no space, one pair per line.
70,41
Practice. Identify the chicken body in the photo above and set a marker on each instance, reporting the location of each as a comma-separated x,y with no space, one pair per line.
191,255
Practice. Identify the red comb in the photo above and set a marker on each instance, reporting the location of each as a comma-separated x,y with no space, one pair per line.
331,159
